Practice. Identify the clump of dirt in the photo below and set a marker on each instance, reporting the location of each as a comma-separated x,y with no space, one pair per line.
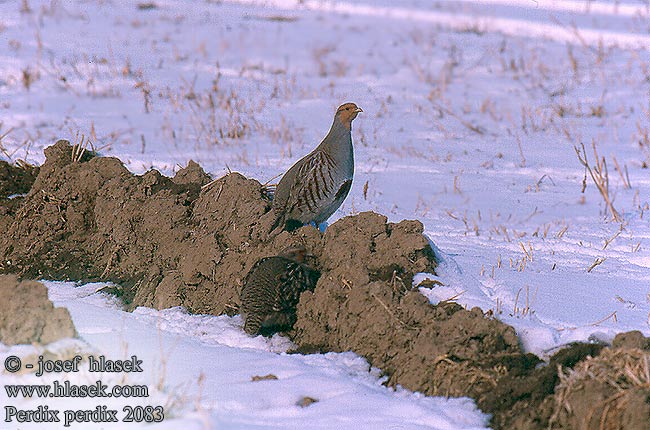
28,316
364,302
52,228
166,241
631,339
230,221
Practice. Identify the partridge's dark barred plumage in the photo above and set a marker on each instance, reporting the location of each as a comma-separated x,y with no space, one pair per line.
314,188
272,290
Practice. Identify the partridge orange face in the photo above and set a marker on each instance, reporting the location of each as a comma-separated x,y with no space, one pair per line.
347,112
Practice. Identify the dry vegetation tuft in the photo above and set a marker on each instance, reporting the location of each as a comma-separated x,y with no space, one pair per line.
615,373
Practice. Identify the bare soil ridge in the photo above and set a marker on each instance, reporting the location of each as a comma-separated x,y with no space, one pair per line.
186,241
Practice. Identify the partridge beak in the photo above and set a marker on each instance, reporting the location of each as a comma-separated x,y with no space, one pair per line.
357,110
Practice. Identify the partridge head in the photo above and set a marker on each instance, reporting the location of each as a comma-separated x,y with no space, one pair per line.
346,113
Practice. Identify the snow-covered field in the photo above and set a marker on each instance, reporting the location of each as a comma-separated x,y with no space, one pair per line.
472,113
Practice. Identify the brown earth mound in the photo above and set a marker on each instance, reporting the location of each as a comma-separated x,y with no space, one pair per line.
172,241
28,316
186,241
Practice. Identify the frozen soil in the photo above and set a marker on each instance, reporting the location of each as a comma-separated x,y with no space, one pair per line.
28,316
187,241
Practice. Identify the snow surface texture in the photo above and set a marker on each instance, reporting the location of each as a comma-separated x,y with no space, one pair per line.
472,110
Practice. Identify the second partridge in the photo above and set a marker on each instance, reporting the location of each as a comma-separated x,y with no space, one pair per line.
272,290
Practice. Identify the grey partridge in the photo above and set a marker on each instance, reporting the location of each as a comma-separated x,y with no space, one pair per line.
316,185
272,289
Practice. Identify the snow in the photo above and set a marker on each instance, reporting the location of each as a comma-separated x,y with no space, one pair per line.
200,368
471,113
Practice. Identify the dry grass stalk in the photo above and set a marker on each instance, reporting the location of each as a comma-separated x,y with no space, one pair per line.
391,313
611,316
475,128
611,239
521,153
597,262
79,148
624,177
599,175
523,311
447,373
2,136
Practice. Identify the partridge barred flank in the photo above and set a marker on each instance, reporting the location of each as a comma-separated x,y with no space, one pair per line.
315,186
272,290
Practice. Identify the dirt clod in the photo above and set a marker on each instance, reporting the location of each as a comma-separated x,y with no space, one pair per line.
584,386
306,401
182,241
631,339
28,316
519,401
269,377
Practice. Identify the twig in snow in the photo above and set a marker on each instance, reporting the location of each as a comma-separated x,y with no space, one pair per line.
596,263
608,241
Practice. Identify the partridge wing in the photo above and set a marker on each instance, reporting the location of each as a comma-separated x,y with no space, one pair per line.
315,186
